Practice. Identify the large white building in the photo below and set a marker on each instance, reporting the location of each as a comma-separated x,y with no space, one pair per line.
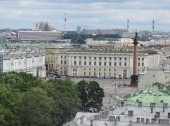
39,35
29,59
104,63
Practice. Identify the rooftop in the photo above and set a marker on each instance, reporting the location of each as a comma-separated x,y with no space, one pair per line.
127,112
113,51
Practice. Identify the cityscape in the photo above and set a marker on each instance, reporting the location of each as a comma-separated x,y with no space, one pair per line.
106,66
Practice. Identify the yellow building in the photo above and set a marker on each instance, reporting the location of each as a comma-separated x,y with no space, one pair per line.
104,64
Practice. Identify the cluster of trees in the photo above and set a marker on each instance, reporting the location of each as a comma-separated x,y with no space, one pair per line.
91,95
80,38
30,101
76,38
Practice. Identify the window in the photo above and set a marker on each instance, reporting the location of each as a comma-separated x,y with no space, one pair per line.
64,57
110,63
114,69
125,58
94,69
74,57
84,73
138,58
84,69
74,62
109,69
79,62
90,63
89,73
115,58
89,58
100,58
64,62
84,57
120,64
110,58
138,64
89,69
104,69
142,59
105,63
95,63
100,64
120,58
99,69
79,57
104,58
84,63
94,58
61,57
142,64
124,64
61,62
114,63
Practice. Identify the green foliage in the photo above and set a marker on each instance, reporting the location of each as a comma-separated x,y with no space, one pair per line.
91,95
67,102
29,101
80,38
36,108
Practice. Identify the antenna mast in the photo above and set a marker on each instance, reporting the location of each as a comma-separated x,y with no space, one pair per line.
128,24
153,25
65,22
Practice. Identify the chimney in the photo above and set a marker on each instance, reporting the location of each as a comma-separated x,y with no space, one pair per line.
151,110
134,77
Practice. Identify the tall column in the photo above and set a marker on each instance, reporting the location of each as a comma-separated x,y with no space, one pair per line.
134,77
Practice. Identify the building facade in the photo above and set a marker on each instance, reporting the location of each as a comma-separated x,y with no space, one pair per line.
103,64
30,60
39,35
53,52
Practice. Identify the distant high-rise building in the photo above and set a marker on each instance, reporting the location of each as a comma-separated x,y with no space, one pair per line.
44,32
104,31
78,29
44,26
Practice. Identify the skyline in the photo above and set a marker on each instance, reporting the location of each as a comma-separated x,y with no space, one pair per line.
89,14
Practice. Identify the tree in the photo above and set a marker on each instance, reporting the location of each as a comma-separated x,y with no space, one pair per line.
36,108
91,95
66,100
29,101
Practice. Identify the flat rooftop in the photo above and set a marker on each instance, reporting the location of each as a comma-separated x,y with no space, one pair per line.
146,52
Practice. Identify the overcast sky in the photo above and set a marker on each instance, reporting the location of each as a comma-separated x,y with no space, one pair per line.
91,14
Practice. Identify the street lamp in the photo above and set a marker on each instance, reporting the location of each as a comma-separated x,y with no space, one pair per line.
115,87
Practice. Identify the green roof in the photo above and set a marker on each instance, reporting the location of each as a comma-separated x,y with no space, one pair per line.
157,93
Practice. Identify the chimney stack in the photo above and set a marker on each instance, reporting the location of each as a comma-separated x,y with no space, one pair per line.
134,77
